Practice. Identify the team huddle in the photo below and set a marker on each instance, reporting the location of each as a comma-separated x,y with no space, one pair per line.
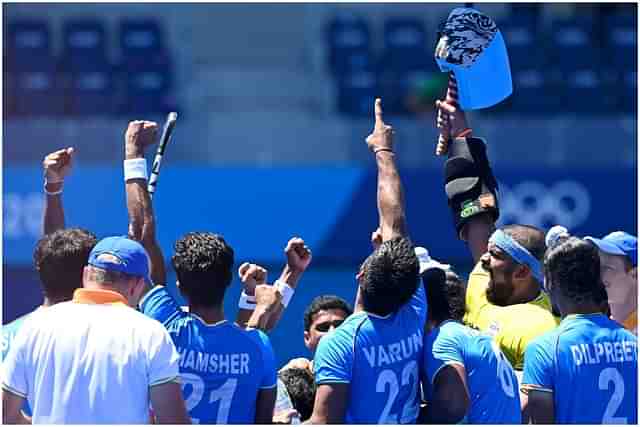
543,331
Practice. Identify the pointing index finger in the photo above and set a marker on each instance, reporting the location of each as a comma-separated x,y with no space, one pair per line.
378,112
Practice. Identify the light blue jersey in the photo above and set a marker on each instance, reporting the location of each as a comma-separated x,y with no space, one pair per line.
9,332
492,382
222,366
590,364
379,358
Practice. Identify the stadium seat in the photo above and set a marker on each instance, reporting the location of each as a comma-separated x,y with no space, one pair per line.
534,93
84,44
148,90
91,92
349,44
524,43
356,93
28,44
37,91
572,44
404,45
621,42
141,42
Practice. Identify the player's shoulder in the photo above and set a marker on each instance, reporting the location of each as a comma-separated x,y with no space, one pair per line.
544,342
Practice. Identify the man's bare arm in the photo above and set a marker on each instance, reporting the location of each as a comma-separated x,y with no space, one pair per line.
168,404
541,407
391,208
450,396
11,408
251,276
142,227
265,403
57,166
330,405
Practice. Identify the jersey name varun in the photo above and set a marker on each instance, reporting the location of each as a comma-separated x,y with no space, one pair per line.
234,363
388,354
595,353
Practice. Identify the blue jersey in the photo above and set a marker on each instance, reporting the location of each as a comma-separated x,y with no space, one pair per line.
492,383
379,358
590,364
9,332
222,366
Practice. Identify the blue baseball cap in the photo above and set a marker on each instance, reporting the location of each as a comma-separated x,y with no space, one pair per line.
119,253
618,243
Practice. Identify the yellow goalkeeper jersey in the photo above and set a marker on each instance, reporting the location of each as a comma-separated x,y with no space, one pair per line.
514,326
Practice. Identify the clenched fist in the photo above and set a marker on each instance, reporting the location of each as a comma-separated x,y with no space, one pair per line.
252,275
141,133
298,254
57,165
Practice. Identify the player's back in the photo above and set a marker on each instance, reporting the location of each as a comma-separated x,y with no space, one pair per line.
223,368
492,383
77,362
595,370
379,357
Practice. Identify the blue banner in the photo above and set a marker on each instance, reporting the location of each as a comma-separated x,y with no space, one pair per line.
333,209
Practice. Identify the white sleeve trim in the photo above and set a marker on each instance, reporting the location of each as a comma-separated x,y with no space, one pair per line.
268,386
525,388
446,363
175,379
144,298
12,390
330,381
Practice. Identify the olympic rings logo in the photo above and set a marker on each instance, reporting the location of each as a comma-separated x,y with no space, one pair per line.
566,203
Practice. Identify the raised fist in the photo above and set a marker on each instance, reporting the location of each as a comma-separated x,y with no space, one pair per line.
252,275
141,133
298,254
382,136
57,165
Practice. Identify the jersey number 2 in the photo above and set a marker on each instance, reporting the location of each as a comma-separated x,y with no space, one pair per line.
224,394
411,408
606,376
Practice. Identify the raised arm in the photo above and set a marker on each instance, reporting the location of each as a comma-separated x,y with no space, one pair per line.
298,259
57,166
390,195
470,159
139,135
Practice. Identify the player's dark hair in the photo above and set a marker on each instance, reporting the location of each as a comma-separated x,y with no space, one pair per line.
445,295
528,236
389,276
203,264
60,258
324,302
573,268
302,390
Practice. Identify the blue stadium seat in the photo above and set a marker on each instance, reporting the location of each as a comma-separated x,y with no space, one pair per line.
28,44
524,44
534,93
621,42
404,45
141,43
356,93
37,92
84,44
585,92
348,40
149,90
572,44
91,92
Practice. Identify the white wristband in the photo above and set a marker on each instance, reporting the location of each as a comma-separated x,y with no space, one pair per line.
135,169
247,302
286,291
52,193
